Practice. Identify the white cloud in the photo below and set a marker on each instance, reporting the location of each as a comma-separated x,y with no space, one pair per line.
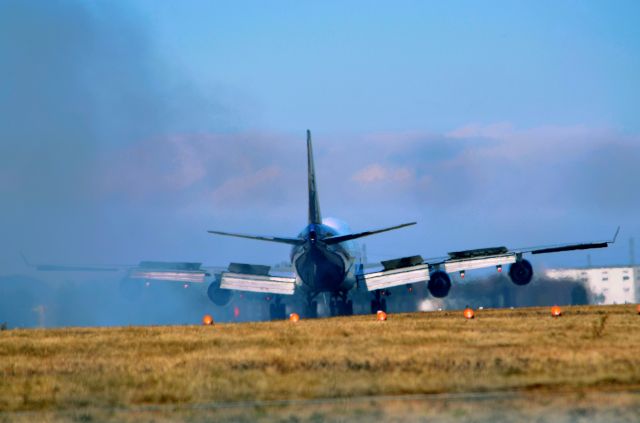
377,173
243,188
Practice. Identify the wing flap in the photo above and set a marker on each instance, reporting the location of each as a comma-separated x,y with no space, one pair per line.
169,271
451,266
395,277
168,275
258,283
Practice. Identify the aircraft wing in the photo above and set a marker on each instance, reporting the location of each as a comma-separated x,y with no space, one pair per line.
459,261
182,272
256,278
569,247
416,269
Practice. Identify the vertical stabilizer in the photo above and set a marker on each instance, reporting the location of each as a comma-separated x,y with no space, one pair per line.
314,204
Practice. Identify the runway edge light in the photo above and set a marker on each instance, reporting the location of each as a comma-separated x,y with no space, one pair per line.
207,320
381,316
468,313
294,317
556,311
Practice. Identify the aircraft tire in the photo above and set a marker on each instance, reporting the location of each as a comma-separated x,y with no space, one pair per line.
378,305
311,310
348,309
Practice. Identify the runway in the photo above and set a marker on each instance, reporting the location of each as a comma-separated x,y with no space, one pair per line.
509,406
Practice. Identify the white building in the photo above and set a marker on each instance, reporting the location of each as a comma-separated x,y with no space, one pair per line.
607,285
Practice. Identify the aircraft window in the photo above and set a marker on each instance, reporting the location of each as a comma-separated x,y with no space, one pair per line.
625,278
605,279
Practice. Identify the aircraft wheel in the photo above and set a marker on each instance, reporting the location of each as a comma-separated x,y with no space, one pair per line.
334,309
378,305
311,309
348,308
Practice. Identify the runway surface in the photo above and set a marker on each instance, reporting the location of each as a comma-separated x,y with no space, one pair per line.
560,407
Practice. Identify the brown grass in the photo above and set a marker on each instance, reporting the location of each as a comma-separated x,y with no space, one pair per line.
56,369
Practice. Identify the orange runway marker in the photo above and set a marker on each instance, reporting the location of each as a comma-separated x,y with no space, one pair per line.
468,313
638,308
207,320
556,311
294,317
381,316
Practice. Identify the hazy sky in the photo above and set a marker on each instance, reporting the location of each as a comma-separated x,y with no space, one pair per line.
127,129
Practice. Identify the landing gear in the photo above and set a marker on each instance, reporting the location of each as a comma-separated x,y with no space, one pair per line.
378,302
277,310
311,309
340,305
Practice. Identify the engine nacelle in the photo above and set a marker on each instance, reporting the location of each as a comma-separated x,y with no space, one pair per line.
521,272
439,284
217,295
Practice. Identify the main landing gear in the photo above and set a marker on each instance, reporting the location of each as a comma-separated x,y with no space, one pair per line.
379,302
311,307
340,305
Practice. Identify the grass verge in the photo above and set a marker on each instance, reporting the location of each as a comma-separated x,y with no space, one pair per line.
588,348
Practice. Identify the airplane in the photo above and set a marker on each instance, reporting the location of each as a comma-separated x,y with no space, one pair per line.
323,261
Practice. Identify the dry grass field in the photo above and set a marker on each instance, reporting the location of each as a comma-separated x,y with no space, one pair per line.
587,349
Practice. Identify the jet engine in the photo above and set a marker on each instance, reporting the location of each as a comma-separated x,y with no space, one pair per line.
439,284
217,295
521,272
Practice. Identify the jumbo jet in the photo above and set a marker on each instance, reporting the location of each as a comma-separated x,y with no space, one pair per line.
324,260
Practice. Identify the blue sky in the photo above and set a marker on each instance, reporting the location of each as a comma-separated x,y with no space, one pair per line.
371,66
129,128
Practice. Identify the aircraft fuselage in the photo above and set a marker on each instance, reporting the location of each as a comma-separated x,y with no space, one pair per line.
320,267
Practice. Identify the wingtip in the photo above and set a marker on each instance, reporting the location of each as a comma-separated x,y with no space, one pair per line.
24,259
615,236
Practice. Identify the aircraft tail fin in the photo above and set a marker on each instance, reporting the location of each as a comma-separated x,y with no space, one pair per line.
314,203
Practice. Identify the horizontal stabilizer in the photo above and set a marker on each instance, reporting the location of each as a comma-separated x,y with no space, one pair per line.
390,278
342,238
282,240
258,283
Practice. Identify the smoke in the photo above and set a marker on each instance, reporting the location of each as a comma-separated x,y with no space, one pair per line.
81,83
